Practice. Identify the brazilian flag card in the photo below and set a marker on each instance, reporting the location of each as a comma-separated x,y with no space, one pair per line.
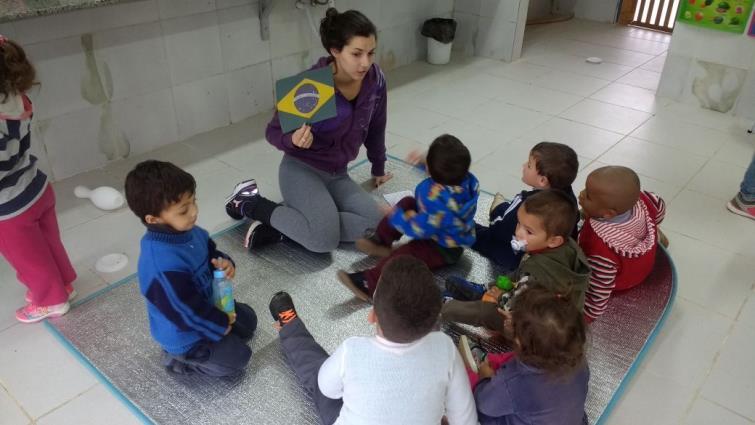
308,97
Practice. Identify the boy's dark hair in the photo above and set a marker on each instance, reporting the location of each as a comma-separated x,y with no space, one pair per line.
407,300
336,29
555,208
448,160
17,74
550,330
556,161
153,185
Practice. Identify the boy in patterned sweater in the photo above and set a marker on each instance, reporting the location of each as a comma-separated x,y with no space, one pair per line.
620,233
439,218
175,277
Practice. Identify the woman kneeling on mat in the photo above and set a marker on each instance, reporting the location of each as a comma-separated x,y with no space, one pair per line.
322,205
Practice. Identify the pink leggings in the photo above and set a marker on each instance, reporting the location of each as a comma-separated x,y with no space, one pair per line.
31,243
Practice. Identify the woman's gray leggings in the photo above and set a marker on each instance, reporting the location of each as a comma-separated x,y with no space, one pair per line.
321,209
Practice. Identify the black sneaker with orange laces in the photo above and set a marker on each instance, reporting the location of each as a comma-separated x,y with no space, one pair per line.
282,308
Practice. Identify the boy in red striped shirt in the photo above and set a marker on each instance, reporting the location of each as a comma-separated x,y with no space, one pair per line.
619,235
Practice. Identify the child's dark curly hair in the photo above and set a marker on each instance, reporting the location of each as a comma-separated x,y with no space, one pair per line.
448,160
407,301
17,74
549,330
152,186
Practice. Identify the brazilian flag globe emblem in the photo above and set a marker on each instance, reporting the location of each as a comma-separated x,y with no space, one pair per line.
308,97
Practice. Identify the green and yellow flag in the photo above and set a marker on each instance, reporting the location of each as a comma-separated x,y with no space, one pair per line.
308,97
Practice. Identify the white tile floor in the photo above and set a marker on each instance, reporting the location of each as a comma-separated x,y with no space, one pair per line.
701,368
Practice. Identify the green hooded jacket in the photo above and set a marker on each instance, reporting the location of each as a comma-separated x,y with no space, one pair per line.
563,270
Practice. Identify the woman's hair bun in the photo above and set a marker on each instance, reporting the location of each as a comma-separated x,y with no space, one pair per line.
331,13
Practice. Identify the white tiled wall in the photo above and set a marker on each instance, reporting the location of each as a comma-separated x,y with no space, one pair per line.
597,10
165,70
490,28
691,44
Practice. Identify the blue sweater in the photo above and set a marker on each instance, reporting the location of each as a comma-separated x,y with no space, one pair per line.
444,214
175,277
521,395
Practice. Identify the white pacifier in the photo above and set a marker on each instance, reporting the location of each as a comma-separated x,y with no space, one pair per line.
517,245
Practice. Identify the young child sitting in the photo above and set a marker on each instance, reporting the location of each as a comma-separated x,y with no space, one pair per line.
545,379
552,259
405,374
549,166
620,233
175,276
440,218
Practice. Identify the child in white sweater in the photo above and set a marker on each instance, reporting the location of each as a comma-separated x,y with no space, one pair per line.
405,374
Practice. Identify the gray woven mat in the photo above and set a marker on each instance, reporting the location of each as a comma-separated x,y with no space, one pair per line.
110,330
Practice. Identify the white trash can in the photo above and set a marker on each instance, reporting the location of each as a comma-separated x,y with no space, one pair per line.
440,33
438,53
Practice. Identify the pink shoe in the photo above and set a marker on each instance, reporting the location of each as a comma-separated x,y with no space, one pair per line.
69,288
32,313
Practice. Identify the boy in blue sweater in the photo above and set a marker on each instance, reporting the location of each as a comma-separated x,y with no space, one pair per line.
439,218
175,277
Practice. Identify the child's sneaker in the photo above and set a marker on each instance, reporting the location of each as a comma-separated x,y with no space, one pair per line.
472,354
464,290
175,366
282,308
739,206
69,288
32,313
356,283
498,199
371,245
260,234
245,195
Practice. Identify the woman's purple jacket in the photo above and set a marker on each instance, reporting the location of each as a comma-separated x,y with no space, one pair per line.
337,140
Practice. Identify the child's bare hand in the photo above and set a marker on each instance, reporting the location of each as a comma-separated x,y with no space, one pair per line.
231,318
225,265
508,324
416,157
484,370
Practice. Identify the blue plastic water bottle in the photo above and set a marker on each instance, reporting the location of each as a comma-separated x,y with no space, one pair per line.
222,292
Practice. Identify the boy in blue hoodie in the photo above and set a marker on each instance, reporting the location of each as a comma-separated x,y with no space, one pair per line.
439,218
175,277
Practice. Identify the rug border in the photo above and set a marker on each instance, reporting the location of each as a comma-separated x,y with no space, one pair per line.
645,347
618,394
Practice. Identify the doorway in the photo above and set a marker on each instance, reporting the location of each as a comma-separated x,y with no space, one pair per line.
659,15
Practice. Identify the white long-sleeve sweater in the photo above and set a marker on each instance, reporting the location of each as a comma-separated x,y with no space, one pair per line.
382,382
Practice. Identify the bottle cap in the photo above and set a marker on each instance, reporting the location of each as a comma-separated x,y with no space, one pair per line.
504,283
